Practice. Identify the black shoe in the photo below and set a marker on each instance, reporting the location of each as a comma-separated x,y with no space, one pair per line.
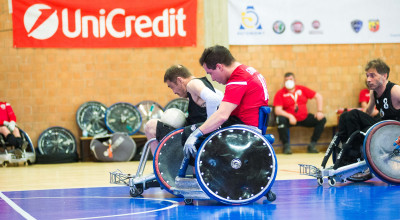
286,149
311,148
18,153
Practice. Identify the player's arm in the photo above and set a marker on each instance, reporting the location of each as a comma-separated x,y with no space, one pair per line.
218,118
280,112
371,104
212,99
319,114
395,93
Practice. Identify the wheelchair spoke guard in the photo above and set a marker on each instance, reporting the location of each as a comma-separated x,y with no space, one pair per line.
123,117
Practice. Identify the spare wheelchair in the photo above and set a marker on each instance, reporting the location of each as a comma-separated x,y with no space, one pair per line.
379,154
234,165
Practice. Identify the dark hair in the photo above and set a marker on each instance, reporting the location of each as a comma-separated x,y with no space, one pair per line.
289,74
216,54
176,71
380,66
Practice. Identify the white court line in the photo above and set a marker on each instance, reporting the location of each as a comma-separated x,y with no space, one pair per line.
174,204
16,207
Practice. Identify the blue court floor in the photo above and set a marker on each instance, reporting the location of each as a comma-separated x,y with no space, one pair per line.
296,199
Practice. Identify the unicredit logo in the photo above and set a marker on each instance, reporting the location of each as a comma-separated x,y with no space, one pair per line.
42,22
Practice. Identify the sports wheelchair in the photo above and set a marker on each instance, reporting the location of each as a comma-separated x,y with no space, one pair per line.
9,155
379,154
234,165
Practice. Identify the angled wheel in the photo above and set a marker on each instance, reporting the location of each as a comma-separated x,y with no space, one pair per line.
167,159
56,140
123,117
179,103
379,152
90,117
149,110
236,165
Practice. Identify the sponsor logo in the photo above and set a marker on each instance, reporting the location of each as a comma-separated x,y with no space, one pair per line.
297,27
356,25
278,27
316,24
42,22
250,24
373,25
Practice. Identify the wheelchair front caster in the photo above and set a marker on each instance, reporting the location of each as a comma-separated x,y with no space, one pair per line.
270,196
320,181
136,192
331,181
188,201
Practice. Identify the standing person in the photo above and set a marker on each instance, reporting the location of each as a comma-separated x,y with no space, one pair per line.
8,129
203,101
245,93
290,104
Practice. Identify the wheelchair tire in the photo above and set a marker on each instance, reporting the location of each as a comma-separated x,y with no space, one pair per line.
123,117
56,140
378,145
236,165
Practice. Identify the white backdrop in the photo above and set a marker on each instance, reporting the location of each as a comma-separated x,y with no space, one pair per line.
251,22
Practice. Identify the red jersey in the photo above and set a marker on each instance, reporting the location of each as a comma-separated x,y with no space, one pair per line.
247,89
298,98
364,96
6,113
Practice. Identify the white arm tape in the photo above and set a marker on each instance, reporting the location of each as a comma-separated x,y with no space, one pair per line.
212,99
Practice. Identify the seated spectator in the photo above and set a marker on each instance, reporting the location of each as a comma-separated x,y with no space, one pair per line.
290,105
8,127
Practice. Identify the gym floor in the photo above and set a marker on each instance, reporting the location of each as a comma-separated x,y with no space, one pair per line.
82,191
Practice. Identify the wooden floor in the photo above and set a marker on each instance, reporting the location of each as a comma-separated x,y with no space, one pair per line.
96,174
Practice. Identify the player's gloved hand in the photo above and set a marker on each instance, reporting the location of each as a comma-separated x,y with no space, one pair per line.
6,123
11,126
189,148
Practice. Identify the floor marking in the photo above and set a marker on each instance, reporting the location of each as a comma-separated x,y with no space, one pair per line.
16,207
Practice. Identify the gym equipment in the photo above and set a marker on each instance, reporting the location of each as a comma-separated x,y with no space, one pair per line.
123,117
179,103
90,118
9,155
113,147
149,110
56,140
380,156
240,170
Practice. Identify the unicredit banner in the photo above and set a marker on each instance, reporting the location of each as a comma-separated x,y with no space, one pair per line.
104,23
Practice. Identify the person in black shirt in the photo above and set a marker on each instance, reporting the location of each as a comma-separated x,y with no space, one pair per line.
384,94
203,101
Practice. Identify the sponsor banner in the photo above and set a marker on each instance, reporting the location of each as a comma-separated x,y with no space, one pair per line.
104,23
265,22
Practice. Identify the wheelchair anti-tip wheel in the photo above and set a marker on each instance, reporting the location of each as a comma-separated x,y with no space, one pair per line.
90,118
56,140
379,152
179,103
149,110
236,165
167,159
123,117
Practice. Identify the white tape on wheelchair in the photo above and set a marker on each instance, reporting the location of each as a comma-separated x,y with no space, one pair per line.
212,99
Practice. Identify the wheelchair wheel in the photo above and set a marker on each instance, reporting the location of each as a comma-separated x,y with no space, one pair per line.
378,151
168,158
236,165
90,117
179,103
123,117
56,140
148,110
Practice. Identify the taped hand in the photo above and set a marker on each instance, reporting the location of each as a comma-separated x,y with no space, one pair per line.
11,126
189,148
